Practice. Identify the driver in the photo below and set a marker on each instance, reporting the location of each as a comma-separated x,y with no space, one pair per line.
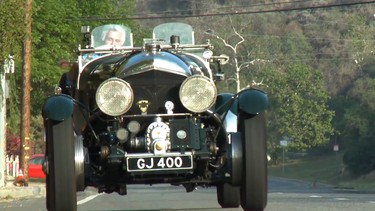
114,35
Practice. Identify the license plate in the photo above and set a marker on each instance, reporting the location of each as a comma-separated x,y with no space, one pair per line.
159,163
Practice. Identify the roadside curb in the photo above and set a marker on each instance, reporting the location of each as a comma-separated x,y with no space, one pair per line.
353,190
311,185
34,189
318,185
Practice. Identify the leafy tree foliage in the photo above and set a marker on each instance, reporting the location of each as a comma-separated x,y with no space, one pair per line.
12,33
357,123
12,28
299,106
360,113
55,37
299,101
338,43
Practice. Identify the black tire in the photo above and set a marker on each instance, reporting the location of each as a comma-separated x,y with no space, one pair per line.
61,178
254,185
228,196
79,163
236,157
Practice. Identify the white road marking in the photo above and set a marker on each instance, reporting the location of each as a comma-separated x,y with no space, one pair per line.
315,196
88,199
341,199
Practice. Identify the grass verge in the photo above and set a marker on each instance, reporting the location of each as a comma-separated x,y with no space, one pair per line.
327,169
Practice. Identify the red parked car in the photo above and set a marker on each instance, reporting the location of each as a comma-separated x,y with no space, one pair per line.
36,167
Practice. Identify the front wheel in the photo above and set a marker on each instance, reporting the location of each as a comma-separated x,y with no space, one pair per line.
254,184
228,196
61,178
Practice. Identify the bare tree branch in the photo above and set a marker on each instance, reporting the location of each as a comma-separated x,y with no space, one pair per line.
238,34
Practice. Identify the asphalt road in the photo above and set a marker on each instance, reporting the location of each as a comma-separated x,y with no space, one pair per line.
283,195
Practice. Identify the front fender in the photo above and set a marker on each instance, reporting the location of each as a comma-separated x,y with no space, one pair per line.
252,101
224,102
58,107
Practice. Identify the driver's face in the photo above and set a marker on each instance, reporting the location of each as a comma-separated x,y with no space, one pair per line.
114,38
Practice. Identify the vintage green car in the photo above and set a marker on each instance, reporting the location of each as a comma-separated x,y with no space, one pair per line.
152,114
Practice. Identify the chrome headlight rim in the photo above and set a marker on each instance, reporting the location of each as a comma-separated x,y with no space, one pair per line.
108,102
196,100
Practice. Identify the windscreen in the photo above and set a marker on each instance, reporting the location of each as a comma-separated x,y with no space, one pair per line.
166,30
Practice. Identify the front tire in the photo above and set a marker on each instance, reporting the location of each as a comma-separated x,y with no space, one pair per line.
228,196
254,185
79,163
61,178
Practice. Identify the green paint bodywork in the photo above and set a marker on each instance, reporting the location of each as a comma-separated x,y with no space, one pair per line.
253,101
223,101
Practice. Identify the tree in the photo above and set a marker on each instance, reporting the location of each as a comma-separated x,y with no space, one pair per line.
299,101
299,109
242,59
12,28
234,49
357,123
55,36
12,33
356,111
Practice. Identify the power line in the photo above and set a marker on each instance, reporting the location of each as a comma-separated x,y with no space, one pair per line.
269,36
285,9
203,4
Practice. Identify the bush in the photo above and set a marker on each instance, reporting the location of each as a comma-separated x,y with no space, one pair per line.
12,143
360,157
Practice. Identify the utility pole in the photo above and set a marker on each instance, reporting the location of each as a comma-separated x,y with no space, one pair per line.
26,93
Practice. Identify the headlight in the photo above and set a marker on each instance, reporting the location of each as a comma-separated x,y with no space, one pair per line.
198,93
114,97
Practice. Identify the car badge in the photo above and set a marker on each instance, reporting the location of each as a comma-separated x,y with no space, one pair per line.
169,106
143,105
